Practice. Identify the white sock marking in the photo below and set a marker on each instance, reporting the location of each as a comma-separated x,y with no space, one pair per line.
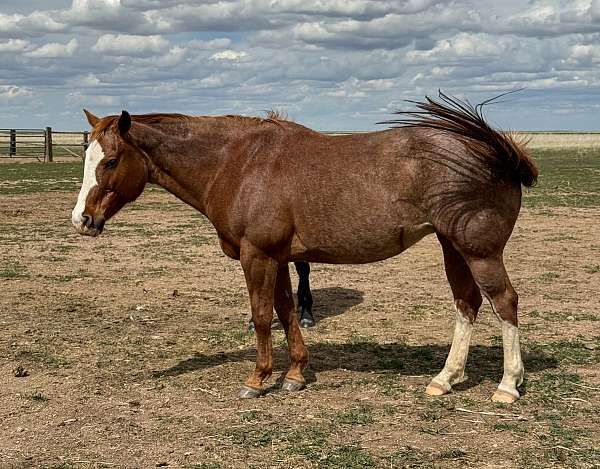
513,365
454,368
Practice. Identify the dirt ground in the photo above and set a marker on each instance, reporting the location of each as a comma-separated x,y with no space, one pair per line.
133,346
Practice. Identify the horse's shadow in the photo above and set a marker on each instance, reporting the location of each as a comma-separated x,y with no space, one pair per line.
485,362
333,301
328,302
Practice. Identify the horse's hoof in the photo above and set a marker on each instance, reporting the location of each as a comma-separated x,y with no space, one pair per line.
251,327
307,322
292,385
248,393
504,397
434,389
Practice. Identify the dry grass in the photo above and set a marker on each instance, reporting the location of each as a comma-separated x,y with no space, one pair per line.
69,138
556,140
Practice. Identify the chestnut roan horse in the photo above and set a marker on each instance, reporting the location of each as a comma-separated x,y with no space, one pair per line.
278,192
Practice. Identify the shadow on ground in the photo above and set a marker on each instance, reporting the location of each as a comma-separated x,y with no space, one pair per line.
333,301
485,362
329,302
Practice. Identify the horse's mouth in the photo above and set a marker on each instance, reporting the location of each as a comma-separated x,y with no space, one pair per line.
86,231
89,226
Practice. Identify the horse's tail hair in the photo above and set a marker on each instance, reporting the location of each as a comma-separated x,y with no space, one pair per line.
506,151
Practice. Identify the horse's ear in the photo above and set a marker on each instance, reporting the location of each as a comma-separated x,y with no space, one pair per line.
124,122
91,118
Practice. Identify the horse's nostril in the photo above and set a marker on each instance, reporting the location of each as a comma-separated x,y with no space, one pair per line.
99,225
87,220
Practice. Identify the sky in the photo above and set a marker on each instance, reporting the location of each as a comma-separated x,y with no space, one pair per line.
330,65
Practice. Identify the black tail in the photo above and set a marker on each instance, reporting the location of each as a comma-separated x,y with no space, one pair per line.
465,120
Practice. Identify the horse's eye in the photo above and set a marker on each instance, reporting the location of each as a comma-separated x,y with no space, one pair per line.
111,164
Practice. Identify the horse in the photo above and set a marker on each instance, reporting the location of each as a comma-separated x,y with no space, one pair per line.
278,192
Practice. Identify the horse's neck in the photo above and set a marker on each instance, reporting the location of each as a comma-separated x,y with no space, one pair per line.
185,157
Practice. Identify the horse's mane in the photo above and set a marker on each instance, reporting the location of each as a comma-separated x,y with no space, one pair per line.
461,118
272,116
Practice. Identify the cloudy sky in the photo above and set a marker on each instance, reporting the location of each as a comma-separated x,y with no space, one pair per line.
330,64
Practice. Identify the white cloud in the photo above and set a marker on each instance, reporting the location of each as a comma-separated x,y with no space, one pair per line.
54,50
584,55
9,24
10,92
229,55
85,81
41,22
131,45
77,98
102,15
552,18
465,47
349,8
86,5
14,45
36,23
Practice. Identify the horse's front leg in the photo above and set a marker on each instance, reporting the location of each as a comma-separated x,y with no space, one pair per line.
260,271
284,306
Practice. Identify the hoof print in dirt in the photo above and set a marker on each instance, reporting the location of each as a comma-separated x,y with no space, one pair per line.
20,372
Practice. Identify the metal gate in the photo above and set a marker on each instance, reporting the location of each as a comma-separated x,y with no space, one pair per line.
42,144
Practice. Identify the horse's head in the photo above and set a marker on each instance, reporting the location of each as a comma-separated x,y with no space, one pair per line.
115,173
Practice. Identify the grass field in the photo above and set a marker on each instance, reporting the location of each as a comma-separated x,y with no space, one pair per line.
128,350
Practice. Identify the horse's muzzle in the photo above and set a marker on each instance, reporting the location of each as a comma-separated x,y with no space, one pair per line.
89,226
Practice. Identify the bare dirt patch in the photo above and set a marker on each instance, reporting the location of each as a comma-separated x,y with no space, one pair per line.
134,347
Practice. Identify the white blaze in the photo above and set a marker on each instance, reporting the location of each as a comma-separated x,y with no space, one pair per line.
93,156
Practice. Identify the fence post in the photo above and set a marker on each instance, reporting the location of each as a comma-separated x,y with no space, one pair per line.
48,146
86,139
12,146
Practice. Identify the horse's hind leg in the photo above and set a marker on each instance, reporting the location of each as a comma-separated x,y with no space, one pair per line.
305,300
284,306
467,300
491,276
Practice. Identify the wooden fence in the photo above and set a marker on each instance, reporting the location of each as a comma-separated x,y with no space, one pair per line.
42,144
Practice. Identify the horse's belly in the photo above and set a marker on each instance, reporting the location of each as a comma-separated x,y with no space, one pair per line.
358,246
